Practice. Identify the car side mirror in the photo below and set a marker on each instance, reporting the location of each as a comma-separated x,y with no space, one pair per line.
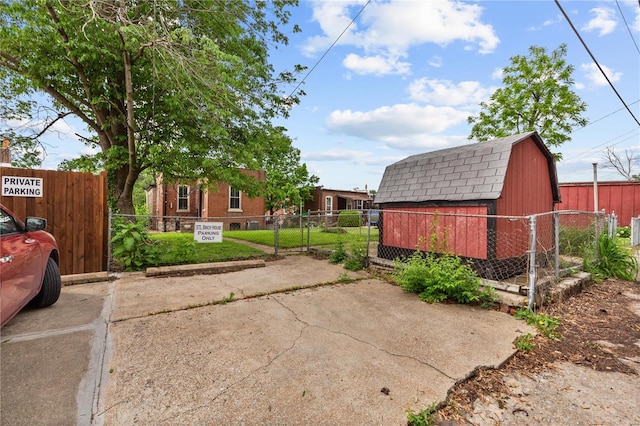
35,224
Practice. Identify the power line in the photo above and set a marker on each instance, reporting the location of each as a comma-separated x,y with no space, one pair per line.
331,47
595,61
627,25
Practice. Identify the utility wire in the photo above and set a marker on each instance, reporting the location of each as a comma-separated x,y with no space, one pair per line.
331,47
595,61
627,25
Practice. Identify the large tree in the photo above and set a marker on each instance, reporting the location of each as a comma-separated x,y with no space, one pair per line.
183,87
288,181
625,166
536,95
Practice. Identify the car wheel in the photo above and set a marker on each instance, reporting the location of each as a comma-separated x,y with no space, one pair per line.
51,286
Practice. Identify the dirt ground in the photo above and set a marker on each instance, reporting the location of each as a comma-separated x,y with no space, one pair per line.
590,376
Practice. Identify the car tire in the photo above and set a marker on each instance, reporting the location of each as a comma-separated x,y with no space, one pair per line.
51,286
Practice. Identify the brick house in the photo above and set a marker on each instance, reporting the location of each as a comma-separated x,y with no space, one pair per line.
183,202
331,200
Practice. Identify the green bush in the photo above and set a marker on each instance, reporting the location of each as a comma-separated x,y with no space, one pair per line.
357,258
613,260
438,278
349,219
339,254
623,232
132,246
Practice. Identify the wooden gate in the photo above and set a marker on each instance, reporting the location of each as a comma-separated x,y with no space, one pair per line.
75,206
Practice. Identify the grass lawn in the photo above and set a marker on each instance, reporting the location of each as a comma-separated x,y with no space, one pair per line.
292,237
177,248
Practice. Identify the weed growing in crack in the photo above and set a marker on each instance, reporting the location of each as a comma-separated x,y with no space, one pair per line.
423,418
525,343
542,322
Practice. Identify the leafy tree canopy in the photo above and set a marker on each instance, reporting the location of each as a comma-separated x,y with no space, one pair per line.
288,181
181,87
537,95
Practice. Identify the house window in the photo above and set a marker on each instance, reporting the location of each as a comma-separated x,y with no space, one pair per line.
183,198
358,204
234,199
328,205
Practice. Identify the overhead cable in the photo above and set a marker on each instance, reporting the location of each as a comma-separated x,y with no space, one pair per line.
595,61
330,47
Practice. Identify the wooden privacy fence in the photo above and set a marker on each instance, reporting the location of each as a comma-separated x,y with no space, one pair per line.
75,206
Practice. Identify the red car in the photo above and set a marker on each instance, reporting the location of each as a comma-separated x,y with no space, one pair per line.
29,265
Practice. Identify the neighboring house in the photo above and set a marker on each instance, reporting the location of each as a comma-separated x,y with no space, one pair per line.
621,197
188,200
332,200
513,176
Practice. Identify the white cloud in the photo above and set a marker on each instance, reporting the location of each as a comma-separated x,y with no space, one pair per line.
595,77
436,61
444,92
604,21
398,126
377,65
497,74
386,30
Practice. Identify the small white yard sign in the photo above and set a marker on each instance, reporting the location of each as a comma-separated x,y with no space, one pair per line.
208,232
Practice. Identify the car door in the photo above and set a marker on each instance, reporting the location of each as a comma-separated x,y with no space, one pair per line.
20,266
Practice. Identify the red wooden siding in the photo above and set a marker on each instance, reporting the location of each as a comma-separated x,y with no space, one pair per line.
526,191
464,235
622,197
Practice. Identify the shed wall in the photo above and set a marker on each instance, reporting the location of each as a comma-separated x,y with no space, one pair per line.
463,235
526,191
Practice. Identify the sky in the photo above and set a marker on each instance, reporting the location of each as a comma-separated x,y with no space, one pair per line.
389,79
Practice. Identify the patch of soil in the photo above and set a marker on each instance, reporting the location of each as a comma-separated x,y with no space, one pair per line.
588,376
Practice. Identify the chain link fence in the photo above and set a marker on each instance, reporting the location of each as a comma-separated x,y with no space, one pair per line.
524,250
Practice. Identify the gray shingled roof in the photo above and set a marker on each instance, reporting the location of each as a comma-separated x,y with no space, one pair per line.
469,172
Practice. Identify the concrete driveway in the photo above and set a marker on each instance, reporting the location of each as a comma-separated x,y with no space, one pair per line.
294,345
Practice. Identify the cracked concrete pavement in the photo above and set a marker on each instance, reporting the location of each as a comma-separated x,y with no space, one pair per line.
317,355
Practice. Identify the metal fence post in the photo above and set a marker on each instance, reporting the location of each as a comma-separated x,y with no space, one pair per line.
276,233
308,230
532,261
556,226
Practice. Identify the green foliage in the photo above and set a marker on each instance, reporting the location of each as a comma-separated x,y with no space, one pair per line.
184,90
288,182
132,246
423,418
623,232
339,254
438,277
613,260
349,218
358,255
575,241
525,343
542,322
536,95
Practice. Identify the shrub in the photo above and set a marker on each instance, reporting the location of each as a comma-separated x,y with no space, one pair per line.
132,245
438,278
623,232
357,258
614,260
339,254
349,218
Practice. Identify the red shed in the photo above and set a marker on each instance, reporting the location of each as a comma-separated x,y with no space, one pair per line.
513,176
